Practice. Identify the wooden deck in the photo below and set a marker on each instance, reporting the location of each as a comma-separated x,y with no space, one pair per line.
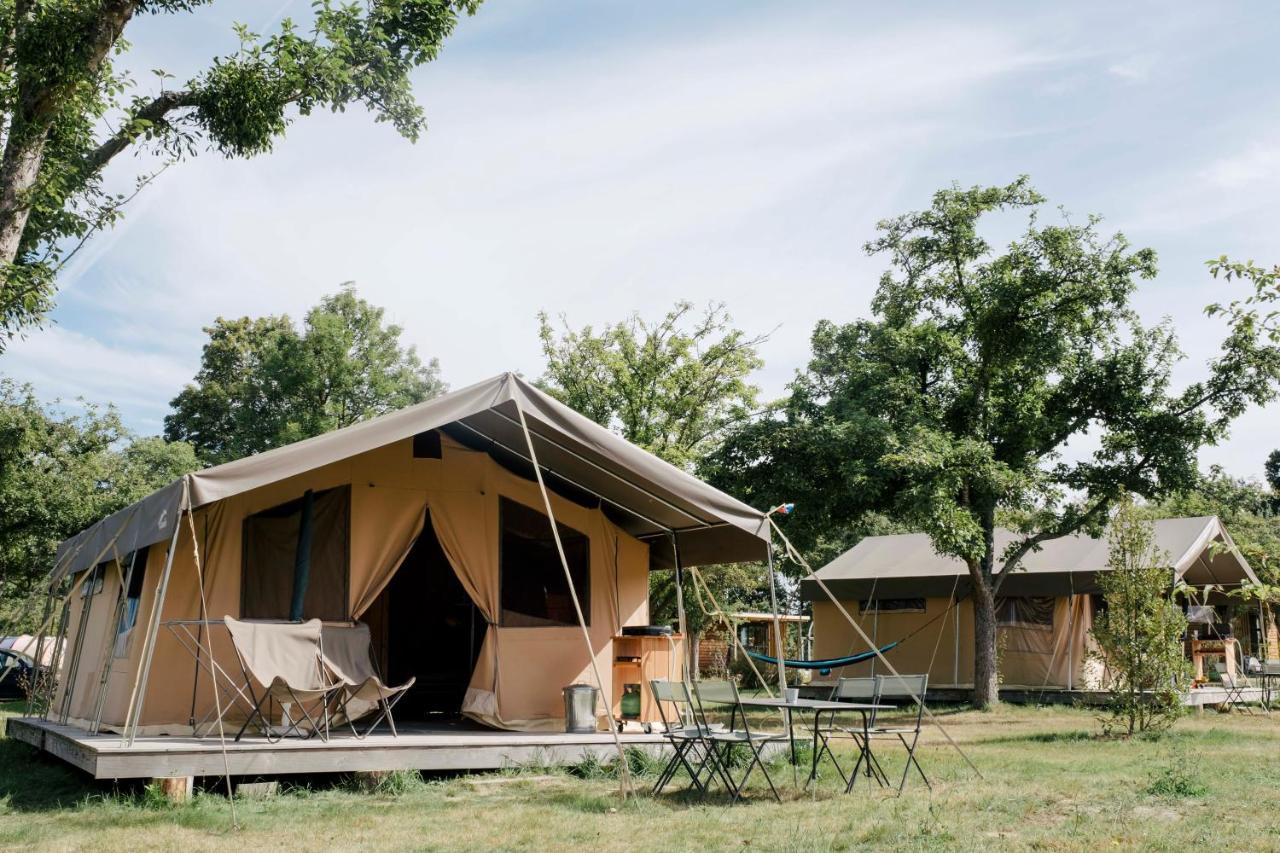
441,746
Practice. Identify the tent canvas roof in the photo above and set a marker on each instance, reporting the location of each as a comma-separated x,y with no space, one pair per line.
649,496
906,564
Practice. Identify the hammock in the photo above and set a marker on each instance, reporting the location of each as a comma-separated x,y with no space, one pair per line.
824,667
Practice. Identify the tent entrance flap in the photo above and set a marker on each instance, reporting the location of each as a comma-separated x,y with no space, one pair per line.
426,627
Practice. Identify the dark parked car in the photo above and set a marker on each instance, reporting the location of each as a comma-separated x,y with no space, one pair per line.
15,674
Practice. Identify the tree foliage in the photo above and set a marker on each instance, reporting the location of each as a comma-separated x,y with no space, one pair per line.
671,387
263,383
959,402
1139,632
59,473
69,106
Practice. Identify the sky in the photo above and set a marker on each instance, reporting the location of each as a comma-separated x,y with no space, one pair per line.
595,159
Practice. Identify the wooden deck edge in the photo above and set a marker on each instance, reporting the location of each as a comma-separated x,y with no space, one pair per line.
38,734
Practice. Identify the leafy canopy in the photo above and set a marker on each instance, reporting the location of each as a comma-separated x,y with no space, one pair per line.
69,105
961,399
263,383
672,387
59,473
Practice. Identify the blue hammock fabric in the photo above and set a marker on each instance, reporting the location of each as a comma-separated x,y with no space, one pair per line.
824,666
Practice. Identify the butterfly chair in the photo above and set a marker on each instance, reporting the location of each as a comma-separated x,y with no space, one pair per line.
724,694
910,688
1235,685
685,731
862,690
348,655
284,658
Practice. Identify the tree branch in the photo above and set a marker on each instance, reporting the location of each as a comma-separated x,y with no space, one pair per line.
154,112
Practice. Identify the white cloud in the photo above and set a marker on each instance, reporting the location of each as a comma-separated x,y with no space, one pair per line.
1134,69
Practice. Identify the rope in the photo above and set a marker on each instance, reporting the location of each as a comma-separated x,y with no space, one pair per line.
217,697
938,642
624,773
800,560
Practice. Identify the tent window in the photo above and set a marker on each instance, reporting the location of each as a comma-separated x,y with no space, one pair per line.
93,584
270,549
534,591
892,605
132,598
426,445
1030,612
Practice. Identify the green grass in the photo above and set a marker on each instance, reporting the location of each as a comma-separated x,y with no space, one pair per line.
1049,784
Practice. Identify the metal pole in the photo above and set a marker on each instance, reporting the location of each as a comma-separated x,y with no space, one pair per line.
111,636
681,623
44,620
73,668
137,698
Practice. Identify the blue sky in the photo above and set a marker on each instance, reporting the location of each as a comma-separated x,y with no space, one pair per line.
598,158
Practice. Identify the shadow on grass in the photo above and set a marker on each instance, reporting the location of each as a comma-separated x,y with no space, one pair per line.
30,781
1046,737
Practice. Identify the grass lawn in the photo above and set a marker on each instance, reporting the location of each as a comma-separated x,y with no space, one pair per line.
1214,782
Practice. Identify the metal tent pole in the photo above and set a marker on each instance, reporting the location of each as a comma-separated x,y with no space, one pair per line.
111,635
137,697
689,670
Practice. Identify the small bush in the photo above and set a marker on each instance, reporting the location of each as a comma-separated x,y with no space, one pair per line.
1176,781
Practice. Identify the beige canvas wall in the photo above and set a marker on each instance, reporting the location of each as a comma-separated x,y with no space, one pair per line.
523,669
943,647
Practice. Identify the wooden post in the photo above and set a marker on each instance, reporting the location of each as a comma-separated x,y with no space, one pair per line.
176,789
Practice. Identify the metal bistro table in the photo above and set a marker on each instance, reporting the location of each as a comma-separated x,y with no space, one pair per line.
820,707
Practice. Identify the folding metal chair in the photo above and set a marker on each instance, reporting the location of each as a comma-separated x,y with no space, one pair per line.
1234,685
284,658
686,734
347,652
722,741
912,688
864,690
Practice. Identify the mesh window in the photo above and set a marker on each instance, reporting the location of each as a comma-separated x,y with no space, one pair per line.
534,591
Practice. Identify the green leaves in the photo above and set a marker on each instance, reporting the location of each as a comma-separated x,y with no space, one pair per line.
263,383
672,387
61,472
60,88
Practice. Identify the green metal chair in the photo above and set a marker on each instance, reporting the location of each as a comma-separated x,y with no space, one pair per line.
724,694
686,734
900,687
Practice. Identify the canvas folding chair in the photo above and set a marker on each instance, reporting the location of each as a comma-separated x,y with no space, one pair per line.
347,652
1235,686
686,733
285,659
722,741
900,687
863,690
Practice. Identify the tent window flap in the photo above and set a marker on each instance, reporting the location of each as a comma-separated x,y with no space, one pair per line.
892,605
132,598
1025,612
534,592
269,562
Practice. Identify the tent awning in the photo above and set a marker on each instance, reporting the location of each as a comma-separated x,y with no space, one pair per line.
651,498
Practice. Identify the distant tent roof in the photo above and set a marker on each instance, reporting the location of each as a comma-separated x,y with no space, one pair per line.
906,565
648,495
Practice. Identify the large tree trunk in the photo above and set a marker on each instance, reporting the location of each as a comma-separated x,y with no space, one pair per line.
986,682
23,157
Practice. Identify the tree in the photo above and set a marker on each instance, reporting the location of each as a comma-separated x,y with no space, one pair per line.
66,110
672,387
1139,632
59,473
1271,468
262,383
955,407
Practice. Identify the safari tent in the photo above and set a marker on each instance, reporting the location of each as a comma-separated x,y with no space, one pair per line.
427,524
901,590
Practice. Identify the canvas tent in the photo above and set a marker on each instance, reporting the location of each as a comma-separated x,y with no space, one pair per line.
454,473
899,588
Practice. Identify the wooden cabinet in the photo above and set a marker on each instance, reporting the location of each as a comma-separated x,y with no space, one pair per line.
638,660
